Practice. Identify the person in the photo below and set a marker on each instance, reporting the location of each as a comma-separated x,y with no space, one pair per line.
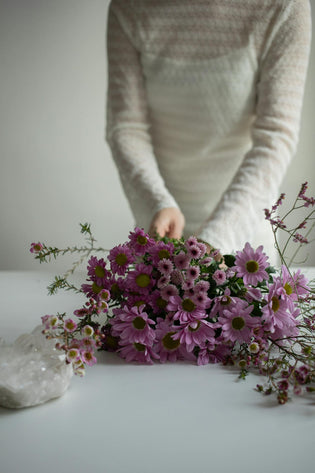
203,112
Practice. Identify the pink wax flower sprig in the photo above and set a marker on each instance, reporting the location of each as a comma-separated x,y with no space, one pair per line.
165,300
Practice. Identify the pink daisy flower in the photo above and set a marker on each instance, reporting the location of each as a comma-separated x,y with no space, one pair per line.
140,242
136,352
97,270
91,290
182,260
250,264
140,280
237,324
157,302
161,251
185,310
168,348
252,294
133,324
224,302
279,312
296,285
165,266
137,300
219,277
210,353
120,257
194,333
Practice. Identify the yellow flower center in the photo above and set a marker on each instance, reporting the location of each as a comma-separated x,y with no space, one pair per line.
121,259
114,290
95,288
275,303
99,271
161,303
139,346
139,323
252,266
143,280
226,300
188,305
169,343
139,303
288,288
238,323
142,240
163,254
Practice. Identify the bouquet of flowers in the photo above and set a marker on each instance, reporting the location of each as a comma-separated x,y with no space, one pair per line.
160,299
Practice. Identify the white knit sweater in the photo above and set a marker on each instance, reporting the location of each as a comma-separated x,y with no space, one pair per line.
203,109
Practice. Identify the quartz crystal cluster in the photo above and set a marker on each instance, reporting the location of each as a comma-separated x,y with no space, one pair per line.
32,371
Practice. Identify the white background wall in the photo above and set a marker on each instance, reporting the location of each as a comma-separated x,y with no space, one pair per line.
55,168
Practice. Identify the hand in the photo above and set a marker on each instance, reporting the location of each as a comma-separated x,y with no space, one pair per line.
168,222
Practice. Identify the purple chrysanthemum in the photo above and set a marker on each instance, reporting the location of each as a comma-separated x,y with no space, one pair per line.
160,251
250,264
185,310
296,285
97,270
136,352
280,312
168,348
140,280
134,325
120,257
237,324
195,332
140,242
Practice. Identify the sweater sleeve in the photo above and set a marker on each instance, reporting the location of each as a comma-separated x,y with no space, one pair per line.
128,128
283,67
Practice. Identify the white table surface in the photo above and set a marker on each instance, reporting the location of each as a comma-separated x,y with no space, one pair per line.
146,419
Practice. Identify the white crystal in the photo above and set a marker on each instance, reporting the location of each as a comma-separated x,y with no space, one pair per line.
32,371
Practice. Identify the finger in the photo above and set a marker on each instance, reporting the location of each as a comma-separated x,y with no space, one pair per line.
175,231
159,228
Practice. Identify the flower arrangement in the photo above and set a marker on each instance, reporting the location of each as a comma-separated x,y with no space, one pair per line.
159,299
